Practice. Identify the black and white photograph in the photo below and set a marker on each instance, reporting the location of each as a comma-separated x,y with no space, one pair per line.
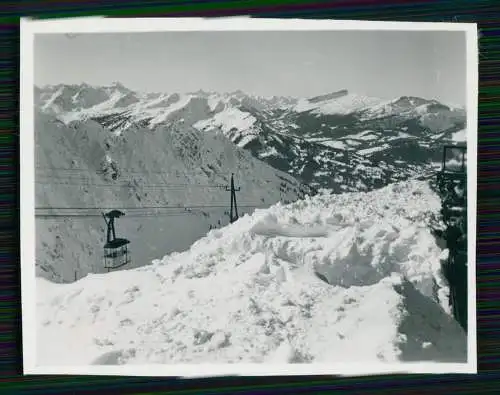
248,196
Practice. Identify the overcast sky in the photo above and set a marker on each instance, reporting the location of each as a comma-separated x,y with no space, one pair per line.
375,63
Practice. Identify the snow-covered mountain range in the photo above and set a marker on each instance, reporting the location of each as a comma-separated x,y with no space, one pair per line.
340,140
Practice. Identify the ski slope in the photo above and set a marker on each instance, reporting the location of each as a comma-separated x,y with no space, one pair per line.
334,278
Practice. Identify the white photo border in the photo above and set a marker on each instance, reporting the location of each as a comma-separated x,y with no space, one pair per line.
29,28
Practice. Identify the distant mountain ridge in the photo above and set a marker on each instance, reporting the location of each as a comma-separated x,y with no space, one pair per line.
338,140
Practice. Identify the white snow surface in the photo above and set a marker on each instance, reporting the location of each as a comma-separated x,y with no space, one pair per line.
233,123
342,105
369,151
250,293
228,119
163,115
334,144
460,136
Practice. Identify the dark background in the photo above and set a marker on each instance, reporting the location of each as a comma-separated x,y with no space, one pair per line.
485,13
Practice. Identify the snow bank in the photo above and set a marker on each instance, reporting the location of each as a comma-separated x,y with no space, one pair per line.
334,278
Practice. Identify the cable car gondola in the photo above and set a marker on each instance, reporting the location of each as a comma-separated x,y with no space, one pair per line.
116,250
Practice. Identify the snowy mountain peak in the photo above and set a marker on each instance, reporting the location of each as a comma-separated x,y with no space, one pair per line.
337,103
329,96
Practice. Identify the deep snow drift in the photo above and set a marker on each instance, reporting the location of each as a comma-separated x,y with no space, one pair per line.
257,291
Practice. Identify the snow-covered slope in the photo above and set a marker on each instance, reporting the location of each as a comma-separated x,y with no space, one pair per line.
333,278
431,114
170,182
339,103
234,123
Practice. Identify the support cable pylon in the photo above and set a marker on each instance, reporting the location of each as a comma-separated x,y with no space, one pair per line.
233,214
